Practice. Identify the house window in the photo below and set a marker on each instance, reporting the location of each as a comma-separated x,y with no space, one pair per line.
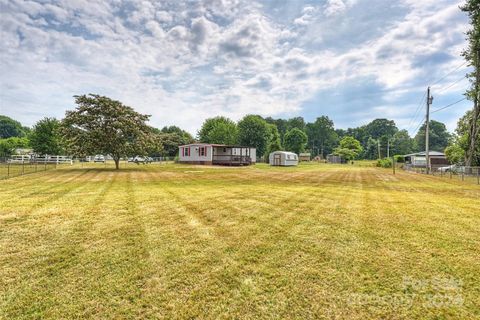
186,152
202,151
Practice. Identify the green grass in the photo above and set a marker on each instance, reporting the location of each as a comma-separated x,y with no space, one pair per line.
176,241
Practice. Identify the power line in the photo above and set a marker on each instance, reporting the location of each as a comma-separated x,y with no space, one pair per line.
448,106
449,73
416,114
418,127
451,85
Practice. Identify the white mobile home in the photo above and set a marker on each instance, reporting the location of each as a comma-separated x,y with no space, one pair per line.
283,158
220,154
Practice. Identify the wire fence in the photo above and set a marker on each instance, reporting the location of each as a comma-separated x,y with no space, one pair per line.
10,169
463,173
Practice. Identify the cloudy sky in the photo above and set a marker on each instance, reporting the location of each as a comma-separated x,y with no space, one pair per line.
183,62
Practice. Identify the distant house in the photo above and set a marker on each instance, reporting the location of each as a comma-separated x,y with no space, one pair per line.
283,158
23,151
304,157
437,159
219,154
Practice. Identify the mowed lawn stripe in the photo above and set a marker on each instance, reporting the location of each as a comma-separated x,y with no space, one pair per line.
177,241
42,246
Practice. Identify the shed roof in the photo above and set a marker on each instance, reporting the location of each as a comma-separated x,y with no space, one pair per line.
284,152
430,153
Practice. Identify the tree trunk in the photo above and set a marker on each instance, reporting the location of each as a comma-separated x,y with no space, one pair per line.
117,163
475,114
473,134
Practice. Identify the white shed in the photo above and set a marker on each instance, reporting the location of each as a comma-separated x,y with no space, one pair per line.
283,158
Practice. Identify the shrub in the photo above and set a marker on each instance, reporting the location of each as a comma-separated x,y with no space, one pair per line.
384,163
399,159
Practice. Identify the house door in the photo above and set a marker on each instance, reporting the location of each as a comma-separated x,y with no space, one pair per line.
276,159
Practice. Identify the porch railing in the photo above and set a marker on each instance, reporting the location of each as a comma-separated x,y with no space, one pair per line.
231,159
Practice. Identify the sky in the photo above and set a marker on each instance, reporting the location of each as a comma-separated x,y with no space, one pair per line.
185,61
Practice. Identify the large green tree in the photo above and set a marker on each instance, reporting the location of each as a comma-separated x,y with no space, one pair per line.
457,150
472,55
253,131
11,128
382,130
177,130
105,126
218,130
273,143
438,137
349,148
281,124
45,137
321,136
296,122
8,145
295,140
402,143
171,141
171,137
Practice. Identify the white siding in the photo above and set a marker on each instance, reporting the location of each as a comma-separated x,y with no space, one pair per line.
253,155
195,153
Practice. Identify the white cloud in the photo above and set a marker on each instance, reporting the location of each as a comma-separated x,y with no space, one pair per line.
214,57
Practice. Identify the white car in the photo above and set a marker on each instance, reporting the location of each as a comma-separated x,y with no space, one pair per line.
452,168
99,158
144,160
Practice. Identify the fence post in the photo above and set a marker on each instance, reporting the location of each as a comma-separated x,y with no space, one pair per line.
450,173
478,175
23,167
463,175
8,169
45,163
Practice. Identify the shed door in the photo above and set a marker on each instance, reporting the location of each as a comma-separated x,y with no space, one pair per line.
276,159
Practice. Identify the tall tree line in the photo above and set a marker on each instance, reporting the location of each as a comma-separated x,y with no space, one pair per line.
379,138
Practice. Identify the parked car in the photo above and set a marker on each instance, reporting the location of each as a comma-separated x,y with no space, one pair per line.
452,168
99,158
140,159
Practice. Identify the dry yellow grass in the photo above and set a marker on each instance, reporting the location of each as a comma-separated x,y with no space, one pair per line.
175,241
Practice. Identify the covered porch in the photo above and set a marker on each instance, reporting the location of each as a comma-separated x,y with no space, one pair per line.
231,155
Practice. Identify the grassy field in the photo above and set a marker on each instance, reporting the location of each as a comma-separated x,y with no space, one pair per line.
176,241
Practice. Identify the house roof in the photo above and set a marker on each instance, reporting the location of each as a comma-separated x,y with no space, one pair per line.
215,145
430,153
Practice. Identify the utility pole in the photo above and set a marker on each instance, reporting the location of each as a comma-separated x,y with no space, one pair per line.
378,148
388,148
427,131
